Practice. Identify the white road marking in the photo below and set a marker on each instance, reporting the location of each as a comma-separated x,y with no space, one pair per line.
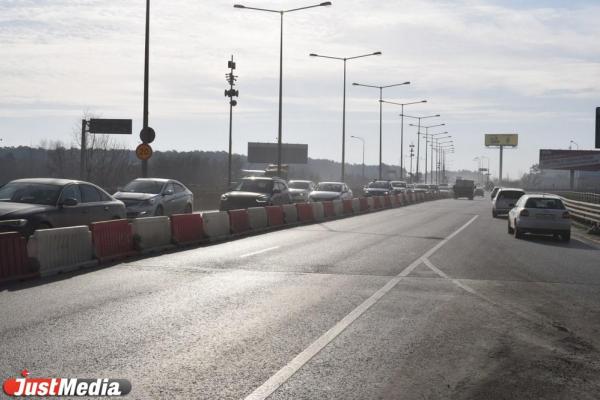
259,252
285,373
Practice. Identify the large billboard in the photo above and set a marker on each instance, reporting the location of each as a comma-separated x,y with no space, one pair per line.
266,153
502,139
581,160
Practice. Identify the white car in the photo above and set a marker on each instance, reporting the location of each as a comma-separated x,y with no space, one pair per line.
541,214
327,191
505,200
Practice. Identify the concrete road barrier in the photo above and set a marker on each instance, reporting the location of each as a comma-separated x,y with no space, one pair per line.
338,208
112,240
152,233
364,204
305,212
61,249
258,218
13,258
318,211
328,209
239,221
356,208
290,213
275,216
347,206
216,224
187,229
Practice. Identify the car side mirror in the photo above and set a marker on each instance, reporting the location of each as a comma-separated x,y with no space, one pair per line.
70,202
168,192
276,191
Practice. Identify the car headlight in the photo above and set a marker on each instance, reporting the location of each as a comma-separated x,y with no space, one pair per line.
15,223
224,196
386,193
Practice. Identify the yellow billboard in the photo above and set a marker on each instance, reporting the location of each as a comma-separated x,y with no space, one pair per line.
502,139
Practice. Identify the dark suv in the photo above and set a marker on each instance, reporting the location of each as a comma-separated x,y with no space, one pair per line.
256,192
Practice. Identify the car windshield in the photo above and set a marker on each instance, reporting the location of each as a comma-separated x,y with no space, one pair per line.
143,186
510,194
298,185
399,184
379,185
32,193
255,185
545,203
329,187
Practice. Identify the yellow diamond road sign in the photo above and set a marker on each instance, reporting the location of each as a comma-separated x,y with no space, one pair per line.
502,139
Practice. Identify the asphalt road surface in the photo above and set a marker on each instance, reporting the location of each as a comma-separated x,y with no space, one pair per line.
428,301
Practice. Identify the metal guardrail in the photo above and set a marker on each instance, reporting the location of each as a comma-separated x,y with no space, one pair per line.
586,212
585,197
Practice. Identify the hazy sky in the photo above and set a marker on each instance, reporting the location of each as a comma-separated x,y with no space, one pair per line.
531,67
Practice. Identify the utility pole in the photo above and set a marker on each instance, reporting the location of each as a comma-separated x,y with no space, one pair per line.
231,93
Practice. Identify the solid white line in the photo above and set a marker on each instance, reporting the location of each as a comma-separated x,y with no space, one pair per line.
259,252
285,373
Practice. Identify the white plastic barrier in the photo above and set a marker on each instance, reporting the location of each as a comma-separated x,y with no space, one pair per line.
290,213
338,208
318,211
258,218
61,249
216,224
152,233
356,205
371,203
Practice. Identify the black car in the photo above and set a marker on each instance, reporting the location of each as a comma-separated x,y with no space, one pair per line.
379,188
41,203
256,192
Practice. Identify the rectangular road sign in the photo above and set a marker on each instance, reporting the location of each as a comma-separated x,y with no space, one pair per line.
502,139
580,160
598,127
110,126
266,153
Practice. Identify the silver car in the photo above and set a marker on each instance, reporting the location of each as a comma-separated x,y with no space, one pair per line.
146,197
299,190
505,199
326,191
541,214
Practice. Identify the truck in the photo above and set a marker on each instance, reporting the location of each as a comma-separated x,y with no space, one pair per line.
464,188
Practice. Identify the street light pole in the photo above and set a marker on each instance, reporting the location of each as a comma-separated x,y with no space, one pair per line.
426,146
419,136
146,77
402,129
344,59
363,154
381,117
280,12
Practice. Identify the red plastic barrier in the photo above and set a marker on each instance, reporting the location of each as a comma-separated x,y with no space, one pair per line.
239,222
347,207
387,201
112,239
328,209
377,202
187,228
13,258
364,204
305,212
275,215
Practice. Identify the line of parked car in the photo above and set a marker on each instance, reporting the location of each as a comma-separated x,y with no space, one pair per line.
535,213
42,203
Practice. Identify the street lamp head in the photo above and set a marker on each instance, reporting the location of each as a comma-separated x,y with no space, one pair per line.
313,55
423,101
377,53
406,83
327,3
238,6
354,84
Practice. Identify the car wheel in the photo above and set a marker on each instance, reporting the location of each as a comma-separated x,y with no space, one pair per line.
566,236
188,209
159,211
510,229
517,232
